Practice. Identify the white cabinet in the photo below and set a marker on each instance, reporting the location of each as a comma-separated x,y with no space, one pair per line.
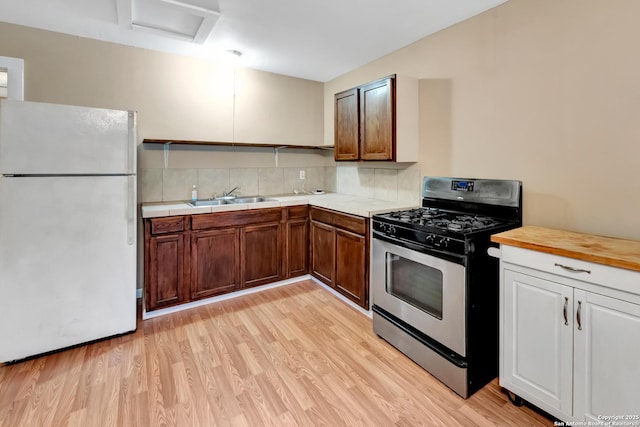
537,351
570,335
607,357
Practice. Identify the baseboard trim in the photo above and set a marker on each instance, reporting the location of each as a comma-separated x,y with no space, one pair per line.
367,313
156,313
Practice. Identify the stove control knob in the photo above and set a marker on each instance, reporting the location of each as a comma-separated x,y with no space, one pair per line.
441,241
429,239
391,229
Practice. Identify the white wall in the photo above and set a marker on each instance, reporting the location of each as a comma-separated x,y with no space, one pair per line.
545,91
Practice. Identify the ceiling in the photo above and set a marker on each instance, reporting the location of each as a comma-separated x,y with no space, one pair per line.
316,40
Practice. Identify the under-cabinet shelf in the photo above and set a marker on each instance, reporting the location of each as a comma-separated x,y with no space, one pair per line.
235,144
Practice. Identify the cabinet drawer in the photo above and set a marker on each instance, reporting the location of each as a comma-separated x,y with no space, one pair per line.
599,274
301,211
171,224
235,218
322,215
351,223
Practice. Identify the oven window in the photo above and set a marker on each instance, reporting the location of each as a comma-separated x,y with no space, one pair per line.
414,283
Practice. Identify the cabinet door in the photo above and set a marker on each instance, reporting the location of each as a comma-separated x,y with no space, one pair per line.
347,130
537,340
323,252
607,345
351,267
165,276
215,267
377,120
297,251
261,254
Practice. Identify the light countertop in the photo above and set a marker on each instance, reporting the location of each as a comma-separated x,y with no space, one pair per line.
601,250
354,205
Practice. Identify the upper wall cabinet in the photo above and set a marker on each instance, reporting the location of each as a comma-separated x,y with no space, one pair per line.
378,121
347,132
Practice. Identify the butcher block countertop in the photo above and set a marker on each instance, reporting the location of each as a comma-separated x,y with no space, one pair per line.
619,253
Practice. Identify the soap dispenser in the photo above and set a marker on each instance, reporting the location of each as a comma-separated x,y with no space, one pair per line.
194,194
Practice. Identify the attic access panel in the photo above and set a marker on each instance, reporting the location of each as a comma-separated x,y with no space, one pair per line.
190,20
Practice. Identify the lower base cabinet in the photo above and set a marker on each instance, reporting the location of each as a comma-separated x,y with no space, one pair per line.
570,345
351,266
537,357
192,257
166,270
261,254
607,366
199,256
297,243
339,248
215,267
323,252
166,261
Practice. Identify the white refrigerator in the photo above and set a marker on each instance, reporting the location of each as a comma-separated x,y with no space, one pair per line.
67,226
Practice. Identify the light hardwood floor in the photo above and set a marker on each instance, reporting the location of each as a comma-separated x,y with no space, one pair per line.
294,355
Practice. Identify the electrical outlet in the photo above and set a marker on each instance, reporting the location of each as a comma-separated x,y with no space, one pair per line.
303,174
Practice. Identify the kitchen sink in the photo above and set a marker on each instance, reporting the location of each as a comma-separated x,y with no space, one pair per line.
215,202
254,199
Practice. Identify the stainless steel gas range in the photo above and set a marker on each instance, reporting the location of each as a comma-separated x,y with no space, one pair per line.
434,286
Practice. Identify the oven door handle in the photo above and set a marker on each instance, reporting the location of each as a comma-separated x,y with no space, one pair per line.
462,260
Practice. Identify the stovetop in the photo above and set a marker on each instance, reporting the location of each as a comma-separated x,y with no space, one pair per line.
457,215
441,221
443,231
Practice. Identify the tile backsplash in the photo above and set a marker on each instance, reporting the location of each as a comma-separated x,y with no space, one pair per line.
402,185
171,184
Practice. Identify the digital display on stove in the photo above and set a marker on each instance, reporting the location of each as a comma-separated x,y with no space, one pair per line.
457,185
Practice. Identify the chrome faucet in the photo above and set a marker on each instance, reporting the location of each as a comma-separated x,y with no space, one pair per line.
226,193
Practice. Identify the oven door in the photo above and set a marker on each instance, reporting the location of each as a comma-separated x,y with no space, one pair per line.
424,291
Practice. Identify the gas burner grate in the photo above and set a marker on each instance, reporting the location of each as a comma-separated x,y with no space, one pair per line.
444,220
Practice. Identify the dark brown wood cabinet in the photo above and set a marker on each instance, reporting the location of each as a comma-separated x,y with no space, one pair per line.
247,242
347,132
377,120
215,266
261,254
365,122
339,248
166,261
323,251
199,256
297,241
351,266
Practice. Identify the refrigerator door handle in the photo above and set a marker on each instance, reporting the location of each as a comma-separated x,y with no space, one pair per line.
131,209
131,147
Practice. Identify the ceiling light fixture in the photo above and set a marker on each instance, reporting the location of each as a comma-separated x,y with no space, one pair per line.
234,52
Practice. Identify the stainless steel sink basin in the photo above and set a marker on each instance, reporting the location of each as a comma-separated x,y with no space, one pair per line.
215,202
254,199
